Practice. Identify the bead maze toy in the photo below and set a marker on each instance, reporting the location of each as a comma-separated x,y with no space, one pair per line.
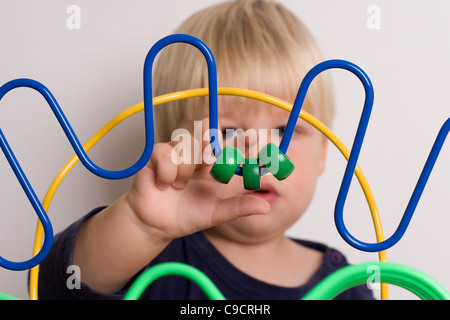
230,161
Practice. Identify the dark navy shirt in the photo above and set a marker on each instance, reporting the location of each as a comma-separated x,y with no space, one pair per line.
196,251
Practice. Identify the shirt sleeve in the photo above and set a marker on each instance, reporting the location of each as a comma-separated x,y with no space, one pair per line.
56,281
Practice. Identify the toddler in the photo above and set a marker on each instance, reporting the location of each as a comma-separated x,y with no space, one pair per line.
175,210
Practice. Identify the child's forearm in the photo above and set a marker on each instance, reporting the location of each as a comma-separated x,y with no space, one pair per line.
113,246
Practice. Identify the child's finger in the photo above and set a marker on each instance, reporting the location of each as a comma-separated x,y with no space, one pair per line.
162,161
239,206
176,161
184,154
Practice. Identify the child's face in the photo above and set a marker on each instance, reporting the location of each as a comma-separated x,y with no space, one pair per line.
288,198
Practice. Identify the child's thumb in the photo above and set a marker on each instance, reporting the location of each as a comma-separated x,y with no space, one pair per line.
239,206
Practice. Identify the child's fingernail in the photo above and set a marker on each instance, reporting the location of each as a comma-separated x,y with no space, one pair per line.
178,185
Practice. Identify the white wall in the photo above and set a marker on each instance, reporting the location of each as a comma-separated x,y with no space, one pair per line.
96,72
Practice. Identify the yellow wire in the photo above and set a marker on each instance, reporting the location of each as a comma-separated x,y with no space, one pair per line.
34,273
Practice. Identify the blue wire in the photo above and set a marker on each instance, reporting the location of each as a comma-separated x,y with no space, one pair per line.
34,200
409,211
76,145
304,86
354,154
212,80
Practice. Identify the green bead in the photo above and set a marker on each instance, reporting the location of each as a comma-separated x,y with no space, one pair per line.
251,175
276,161
226,164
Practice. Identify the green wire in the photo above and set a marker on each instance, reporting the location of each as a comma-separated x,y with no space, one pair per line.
419,283
173,268
343,279
407,277
4,296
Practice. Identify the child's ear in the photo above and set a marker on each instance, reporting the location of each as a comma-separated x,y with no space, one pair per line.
323,156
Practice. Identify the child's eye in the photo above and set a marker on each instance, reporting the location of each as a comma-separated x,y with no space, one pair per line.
229,133
282,129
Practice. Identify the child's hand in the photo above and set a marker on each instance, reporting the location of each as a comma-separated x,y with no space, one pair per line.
173,200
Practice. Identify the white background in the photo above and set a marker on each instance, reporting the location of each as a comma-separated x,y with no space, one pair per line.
96,72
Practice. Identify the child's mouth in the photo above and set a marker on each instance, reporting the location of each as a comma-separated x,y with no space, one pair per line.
267,192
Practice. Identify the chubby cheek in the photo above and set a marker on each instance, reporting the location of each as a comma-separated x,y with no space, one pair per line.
308,167
298,189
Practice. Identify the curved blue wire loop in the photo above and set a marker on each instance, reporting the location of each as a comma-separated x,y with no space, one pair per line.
212,80
37,206
412,204
78,148
355,151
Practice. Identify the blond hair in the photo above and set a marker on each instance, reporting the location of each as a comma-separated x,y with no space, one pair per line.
258,45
